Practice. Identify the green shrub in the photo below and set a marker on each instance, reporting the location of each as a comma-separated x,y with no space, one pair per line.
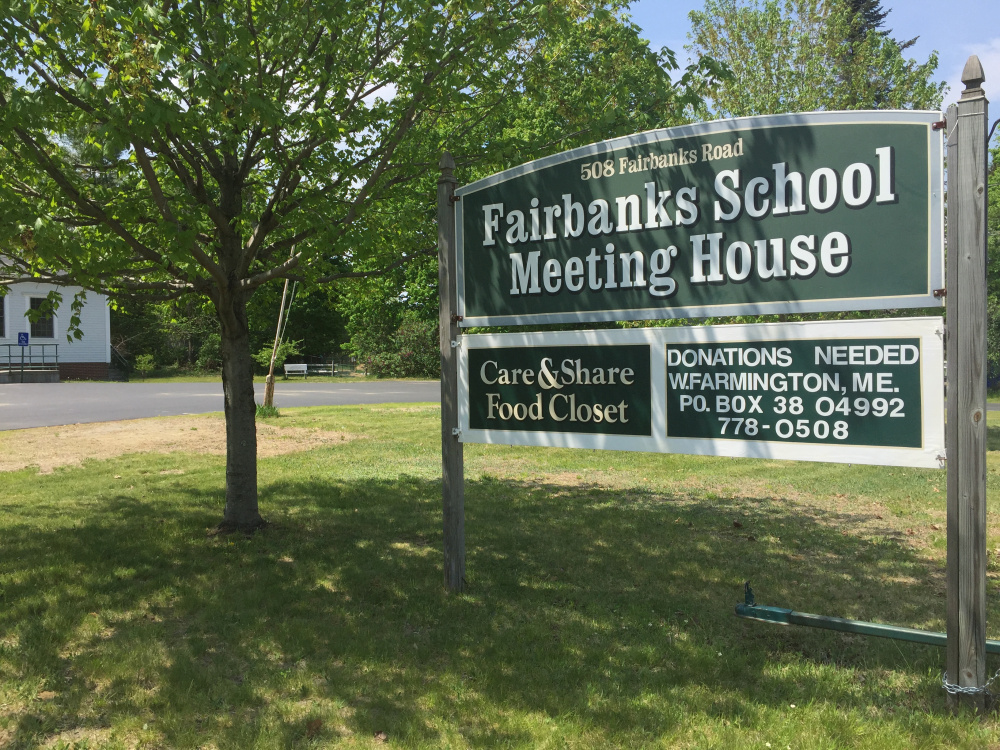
267,412
412,350
210,352
144,364
286,349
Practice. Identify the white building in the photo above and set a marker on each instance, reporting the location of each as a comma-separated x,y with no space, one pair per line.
80,359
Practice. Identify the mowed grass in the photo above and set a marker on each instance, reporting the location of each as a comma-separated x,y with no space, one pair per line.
599,610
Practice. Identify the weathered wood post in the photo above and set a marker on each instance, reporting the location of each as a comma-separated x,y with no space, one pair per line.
453,470
965,434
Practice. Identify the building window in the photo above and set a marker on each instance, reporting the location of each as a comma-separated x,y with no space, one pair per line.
44,327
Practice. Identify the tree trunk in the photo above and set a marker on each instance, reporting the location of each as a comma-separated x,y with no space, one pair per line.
241,513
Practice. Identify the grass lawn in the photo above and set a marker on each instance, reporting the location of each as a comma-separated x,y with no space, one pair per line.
599,610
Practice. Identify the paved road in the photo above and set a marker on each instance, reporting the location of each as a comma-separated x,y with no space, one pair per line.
44,404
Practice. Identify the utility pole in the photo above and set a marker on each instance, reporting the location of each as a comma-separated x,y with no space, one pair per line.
278,331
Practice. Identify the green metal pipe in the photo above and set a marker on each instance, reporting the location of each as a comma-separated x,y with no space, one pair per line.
782,616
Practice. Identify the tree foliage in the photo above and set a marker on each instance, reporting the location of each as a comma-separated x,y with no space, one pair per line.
993,267
869,15
582,82
405,347
285,350
807,55
172,331
392,321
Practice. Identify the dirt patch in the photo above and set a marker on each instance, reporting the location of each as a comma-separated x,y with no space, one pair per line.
79,737
49,447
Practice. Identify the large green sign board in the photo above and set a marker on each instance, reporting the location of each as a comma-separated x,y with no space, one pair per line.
791,213
869,392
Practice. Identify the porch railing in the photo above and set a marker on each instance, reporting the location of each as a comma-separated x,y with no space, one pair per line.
30,357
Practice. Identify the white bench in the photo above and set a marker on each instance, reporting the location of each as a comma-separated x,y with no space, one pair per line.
302,370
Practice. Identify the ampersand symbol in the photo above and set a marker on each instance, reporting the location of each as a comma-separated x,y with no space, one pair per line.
546,378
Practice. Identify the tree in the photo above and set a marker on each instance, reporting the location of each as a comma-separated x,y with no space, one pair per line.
313,320
806,55
144,364
870,16
583,82
392,321
218,135
172,331
596,80
285,350
993,268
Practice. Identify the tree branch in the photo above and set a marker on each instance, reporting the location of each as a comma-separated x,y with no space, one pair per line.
365,274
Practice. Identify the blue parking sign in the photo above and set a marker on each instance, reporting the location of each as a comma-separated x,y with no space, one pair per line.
22,339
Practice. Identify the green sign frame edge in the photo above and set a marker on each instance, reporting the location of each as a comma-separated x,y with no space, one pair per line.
930,331
935,249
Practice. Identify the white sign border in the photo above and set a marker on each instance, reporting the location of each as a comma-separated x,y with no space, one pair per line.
930,330
935,180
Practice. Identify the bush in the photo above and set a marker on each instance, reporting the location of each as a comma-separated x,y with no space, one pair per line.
412,351
267,412
992,342
286,349
144,364
210,353
419,348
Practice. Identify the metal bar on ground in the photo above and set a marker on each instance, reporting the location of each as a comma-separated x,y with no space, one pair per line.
782,616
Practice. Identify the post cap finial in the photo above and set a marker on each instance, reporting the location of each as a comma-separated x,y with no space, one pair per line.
973,77
447,161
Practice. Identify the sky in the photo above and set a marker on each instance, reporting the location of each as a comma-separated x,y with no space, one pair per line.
955,28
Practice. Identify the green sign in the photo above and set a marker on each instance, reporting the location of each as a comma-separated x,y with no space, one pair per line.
833,392
580,389
791,213
860,391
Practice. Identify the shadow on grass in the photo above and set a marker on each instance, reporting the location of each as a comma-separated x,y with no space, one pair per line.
993,438
582,603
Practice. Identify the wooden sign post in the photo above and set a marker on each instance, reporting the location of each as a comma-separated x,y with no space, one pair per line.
965,435
453,476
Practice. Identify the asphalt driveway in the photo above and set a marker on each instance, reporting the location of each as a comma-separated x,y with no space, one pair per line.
49,404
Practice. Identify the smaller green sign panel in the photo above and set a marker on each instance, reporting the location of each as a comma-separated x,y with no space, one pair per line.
861,392
595,390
